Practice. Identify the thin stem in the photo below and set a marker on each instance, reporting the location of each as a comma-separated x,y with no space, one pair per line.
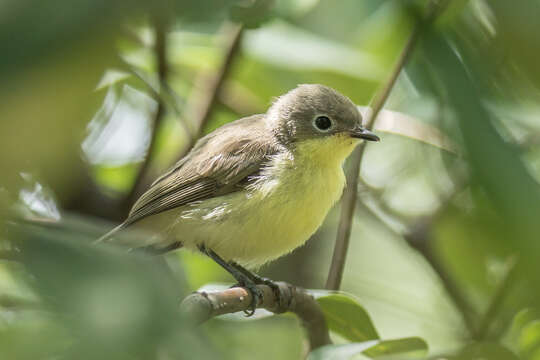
162,71
348,203
203,102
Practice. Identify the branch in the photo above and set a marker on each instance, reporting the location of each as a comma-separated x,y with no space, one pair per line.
202,306
348,203
162,70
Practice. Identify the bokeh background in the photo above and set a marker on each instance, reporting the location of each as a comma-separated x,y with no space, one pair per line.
98,97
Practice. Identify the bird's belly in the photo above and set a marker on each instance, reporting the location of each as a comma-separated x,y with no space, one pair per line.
254,227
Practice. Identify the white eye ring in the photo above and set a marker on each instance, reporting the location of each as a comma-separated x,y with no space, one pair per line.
323,123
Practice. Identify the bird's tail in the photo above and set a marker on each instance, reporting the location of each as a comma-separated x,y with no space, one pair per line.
110,234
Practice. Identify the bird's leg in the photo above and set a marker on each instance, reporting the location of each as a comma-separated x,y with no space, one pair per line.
244,278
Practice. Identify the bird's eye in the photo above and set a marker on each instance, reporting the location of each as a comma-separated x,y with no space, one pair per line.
322,123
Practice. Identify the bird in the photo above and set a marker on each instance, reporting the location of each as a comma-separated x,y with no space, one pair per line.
254,189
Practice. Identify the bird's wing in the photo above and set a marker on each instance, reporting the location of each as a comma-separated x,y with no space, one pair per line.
218,164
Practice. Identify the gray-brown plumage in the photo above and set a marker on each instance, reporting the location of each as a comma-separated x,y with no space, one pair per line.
219,163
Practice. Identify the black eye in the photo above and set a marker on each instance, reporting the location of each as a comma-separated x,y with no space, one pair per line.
323,123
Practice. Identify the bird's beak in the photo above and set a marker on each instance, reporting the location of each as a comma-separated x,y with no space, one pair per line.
361,133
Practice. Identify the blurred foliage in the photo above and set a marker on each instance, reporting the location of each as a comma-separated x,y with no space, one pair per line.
459,160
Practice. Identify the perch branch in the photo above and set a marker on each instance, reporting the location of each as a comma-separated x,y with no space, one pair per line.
350,194
202,306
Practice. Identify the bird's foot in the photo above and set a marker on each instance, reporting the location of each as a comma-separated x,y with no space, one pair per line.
254,291
259,280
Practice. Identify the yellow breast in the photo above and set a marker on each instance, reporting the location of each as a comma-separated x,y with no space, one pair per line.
292,198
279,211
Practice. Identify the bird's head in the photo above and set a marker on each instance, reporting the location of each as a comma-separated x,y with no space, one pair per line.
319,117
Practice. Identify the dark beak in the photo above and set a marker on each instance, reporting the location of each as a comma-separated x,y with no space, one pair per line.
361,133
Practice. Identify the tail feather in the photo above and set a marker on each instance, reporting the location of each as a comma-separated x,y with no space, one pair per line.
150,249
110,234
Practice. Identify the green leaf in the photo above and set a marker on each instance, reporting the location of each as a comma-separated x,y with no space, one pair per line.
413,346
520,321
486,351
529,339
252,13
347,317
336,352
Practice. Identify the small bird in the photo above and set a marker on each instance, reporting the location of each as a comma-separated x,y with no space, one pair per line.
254,189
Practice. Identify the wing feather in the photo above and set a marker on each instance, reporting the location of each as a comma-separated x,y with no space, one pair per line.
218,164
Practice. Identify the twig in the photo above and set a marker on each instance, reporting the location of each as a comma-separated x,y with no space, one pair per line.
203,102
202,306
162,69
349,196
165,93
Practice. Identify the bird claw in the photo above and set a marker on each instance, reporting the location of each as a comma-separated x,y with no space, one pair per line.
256,295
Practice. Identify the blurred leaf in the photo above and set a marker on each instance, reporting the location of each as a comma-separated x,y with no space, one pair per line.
278,337
402,124
529,339
47,110
491,351
116,178
347,318
291,47
112,77
339,352
294,8
522,318
35,31
109,303
407,347
251,13
495,163
524,333
515,25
